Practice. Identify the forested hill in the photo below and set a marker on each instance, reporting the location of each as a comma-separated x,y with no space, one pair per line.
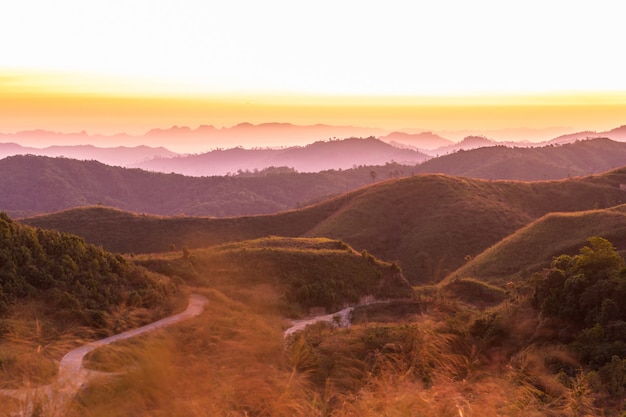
80,283
35,184
531,164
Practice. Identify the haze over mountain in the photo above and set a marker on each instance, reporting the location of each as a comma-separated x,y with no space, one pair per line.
403,148
423,140
318,156
119,155
183,139
33,185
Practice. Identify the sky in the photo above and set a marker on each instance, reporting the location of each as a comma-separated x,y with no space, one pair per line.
132,65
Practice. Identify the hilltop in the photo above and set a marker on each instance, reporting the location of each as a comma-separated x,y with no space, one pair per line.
308,273
428,223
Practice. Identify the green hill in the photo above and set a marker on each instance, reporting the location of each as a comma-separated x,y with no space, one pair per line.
428,223
534,246
307,272
56,291
80,282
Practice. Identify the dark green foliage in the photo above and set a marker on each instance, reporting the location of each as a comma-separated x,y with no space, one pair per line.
587,288
76,280
586,293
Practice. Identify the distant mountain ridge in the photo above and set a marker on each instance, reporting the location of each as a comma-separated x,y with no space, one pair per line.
583,157
183,139
119,155
33,185
36,184
423,140
316,157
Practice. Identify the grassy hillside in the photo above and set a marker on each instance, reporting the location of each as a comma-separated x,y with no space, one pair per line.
453,361
431,223
534,246
306,272
531,164
428,223
56,290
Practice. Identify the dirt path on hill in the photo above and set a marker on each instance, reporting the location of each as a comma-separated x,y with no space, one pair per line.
72,375
341,318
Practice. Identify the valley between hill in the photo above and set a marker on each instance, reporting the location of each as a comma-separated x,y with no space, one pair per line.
504,298
430,224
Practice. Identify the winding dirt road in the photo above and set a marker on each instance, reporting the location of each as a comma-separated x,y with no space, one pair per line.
72,375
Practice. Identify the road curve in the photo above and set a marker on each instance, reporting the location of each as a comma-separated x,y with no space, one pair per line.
72,375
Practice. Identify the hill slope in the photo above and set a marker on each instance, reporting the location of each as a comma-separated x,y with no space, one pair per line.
32,185
309,273
429,223
531,164
534,246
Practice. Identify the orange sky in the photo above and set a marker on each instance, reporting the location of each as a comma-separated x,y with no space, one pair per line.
136,114
444,66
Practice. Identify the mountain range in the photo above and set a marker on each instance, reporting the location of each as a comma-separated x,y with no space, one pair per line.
36,184
317,149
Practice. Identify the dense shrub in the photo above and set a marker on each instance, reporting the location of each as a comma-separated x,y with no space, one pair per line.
71,276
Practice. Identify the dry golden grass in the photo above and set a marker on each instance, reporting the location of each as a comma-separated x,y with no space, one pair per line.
228,361
232,361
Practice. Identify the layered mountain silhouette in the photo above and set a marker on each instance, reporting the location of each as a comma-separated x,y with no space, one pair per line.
183,139
318,156
119,155
37,184
424,140
33,185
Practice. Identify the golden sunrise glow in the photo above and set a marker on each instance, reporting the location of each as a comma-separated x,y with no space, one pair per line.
60,103
439,66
